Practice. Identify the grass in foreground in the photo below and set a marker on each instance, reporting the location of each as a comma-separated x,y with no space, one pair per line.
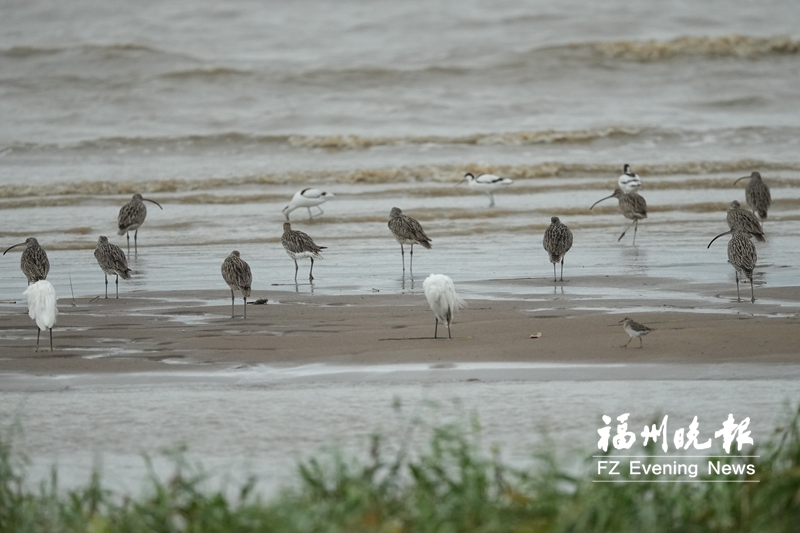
452,487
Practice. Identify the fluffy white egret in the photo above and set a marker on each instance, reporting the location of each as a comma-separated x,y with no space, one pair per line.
628,181
443,299
486,183
42,308
307,198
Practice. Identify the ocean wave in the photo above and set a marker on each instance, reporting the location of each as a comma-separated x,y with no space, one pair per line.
206,73
445,174
116,49
737,46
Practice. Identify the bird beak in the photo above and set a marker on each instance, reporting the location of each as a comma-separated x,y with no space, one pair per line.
598,201
460,182
717,237
742,178
285,213
20,244
621,321
153,202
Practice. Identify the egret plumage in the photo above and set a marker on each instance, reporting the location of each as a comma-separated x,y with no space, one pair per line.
628,181
557,242
742,256
33,262
632,205
131,217
757,194
299,245
308,198
236,273
42,308
634,329
486,183
443,299
407,230
112,261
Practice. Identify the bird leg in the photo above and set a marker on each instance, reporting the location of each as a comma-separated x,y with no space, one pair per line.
640,342
128,236
310,216
51,339
106,275
403,255
635,228
554,273
310,277
491,199
411,263
448,331
436,328
562,269
135,243
232,300
321,212
38,332
116,281
245,306
626,230
738,297
296,268
752,294
627,343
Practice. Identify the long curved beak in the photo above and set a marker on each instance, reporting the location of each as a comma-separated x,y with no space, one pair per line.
460,182
621,321
153,202
740,179
600,200
717,237
285,213
20,244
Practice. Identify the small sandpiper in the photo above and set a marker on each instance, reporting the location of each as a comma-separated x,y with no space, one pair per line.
634,329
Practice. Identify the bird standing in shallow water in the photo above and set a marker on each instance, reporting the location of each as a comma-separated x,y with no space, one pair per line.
443,299
407,230
33,263
112,261
757,194
742,256
299,245
307,198
42,308
628,181
131,217
632,206
557,241
486,183
236,273
634,329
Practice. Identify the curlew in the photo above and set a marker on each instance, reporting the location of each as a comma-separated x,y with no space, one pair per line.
742,256
486,183
236,273
634,329
407,230
743,220
112,261
33,263
632,206
757,194
443,299
42,308
628,181
557,241
299,245
131,217
307,198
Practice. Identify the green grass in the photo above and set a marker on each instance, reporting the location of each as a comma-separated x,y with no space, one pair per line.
451,486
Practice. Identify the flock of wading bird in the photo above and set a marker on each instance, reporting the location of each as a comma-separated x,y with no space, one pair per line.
439,289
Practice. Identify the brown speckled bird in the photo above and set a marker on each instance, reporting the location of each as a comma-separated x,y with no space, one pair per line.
407,230
742,256
632,206
757,194
299,245
131,217
33,263
236,273
557,241
112,261
743,220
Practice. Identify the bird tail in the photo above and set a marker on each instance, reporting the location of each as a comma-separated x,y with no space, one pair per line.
125,274
762,214
425,244
759,237
42,304
121,231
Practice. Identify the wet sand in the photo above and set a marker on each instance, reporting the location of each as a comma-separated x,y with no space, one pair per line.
193,331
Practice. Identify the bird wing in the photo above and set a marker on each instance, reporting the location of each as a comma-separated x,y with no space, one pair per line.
491,179
36,262
313,194
638,203
411,229
129,214
297,242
